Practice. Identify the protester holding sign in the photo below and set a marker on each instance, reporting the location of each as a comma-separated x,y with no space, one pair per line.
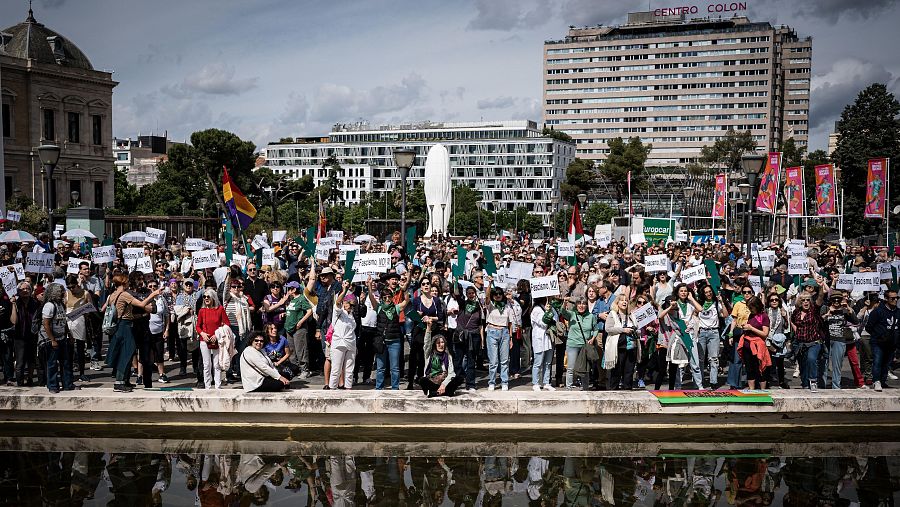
622,346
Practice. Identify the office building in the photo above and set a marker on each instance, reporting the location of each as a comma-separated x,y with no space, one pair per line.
140,158
509,162
677,83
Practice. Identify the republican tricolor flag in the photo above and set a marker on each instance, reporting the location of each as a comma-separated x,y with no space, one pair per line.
576,233
239,208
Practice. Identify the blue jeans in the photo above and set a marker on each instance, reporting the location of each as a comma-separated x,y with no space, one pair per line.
734,369
694,365
838,351
882,353
464,355
390,354
498,354
571,357
540,369
808,356
708,348
56,357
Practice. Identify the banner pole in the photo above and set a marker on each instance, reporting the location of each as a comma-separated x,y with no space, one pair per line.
841,221
887,205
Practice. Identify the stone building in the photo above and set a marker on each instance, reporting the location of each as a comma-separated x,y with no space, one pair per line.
52,93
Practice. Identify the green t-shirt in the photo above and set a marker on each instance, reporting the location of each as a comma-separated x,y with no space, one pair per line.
295,311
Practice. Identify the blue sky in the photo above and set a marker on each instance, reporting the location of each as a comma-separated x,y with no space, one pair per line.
266,69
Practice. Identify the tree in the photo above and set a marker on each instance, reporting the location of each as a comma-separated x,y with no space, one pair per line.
596,214
556,134
581,176
727,151
626,158
791,154
335,171
126,194
868,128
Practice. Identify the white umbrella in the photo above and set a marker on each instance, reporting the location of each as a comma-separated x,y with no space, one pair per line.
79,233
16,236
134,236
364,238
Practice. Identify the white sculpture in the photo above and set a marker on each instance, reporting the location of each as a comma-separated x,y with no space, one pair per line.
437,189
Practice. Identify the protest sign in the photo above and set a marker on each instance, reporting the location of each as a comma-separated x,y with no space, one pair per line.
337,235
656,263
845,282
327,242
681,237
279,236
644,315
102,254
884,271
544,286
603,234
490,265
864,282
765,258
323,253
637,238
9,281
131,255
39,263
19,269
798,266
565,249
13,216
493,245
797,251
372,263
343,249
73,265
144,264
519,270
219,275
155,236
259,241
268,257
194,244
756,283
186,264
799,242
239,260
205,259
694,274
81,310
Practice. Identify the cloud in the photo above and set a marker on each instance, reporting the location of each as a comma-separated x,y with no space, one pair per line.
52,4
452,94
592,12
333,102
151,111
510,14
830,11
832,91
212,79
496,103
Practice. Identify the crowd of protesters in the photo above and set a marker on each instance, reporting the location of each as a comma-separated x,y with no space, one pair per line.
424,324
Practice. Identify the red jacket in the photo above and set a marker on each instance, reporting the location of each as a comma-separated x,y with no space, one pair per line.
211,319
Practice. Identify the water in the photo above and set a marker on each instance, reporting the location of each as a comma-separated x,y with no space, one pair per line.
88,477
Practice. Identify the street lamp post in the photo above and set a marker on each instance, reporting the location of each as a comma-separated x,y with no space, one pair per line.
752,164
688,194
496,225
49,155
554,204
582,199
443,214
76,196
404,159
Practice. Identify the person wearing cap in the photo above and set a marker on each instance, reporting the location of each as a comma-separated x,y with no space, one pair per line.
297,325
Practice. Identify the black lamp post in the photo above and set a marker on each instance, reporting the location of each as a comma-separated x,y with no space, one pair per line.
49,155
404,159
752,163
582,199
688,194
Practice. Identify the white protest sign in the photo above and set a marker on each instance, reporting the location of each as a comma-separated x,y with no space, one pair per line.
544,286
155,236
279,236
259,241
205,259
19,269
800,242
797,251
337,235
372,263
864,282
756,283
186,265
637,238
144,264
219,274
493,245
344,249
884,271
39,263
565,249
241,260
656,263
102,254
9,282
798,266
131,255
845,282
603,234
519,270
500,278
681,237
766,259
327,242
194,244
73,265
694,274
644,315
268,257
13,216
323,252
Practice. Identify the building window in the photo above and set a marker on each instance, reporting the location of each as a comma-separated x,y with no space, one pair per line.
74,127
8,188
122,156
7,121
98,194
49,124
96,129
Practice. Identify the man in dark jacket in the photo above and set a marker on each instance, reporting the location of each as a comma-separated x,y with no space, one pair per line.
884,327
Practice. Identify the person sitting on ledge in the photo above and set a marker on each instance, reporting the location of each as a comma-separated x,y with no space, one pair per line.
438,378
258,374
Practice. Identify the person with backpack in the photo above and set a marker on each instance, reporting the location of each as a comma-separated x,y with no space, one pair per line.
58,347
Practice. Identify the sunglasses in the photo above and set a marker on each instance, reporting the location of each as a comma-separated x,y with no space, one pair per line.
152,286
747,292
891,298
251,270
206,297
258,341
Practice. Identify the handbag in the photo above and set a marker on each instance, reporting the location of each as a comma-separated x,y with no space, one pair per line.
111,317
439,378
378,343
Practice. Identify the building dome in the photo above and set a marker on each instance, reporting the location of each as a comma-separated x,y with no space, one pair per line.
32,40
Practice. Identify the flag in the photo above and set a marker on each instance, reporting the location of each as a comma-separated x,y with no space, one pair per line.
794,190
576,233
323,222
768,186
825,198
876,188
719,199
239,208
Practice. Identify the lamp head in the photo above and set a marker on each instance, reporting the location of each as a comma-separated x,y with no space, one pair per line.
752,163
404,158
49,154
582,198
744,188
688,192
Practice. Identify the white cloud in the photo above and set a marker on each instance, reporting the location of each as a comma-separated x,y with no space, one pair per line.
212,79
496,103
334,103
510,14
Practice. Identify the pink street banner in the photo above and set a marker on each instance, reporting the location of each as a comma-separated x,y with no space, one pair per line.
825,198
768,186
718,210
793,188
876,188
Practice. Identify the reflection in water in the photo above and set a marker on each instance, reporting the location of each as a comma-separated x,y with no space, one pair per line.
135,480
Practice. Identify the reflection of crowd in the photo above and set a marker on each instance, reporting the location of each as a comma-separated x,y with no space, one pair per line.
32,478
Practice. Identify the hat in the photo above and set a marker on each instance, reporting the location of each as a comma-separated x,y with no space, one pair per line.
326,271
292,285
779,289
809,283
350,297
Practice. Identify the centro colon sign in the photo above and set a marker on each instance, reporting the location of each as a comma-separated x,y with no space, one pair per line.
693,9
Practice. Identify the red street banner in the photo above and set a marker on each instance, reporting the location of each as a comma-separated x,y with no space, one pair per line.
876,188
793,188
768,186
825,199
718,210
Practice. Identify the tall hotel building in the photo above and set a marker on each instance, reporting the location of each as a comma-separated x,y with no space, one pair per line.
678,84
508,162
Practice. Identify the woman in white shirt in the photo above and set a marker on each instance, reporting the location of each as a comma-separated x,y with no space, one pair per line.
542,316
258,374
343,338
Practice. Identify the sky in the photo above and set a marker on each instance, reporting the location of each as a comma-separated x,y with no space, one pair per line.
267,69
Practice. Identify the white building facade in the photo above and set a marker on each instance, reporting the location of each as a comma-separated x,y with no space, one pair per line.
508,162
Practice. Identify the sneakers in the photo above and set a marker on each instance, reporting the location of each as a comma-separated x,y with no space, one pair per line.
797,373
877,386
504,387
471,389
491,387
641,384
164,379
892,376
548,387
83,378
864,387
122,388
813,386
308,374
536,388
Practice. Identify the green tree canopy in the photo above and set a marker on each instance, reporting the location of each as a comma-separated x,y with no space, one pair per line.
581,176
791,153
727,151
556,134
624,158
